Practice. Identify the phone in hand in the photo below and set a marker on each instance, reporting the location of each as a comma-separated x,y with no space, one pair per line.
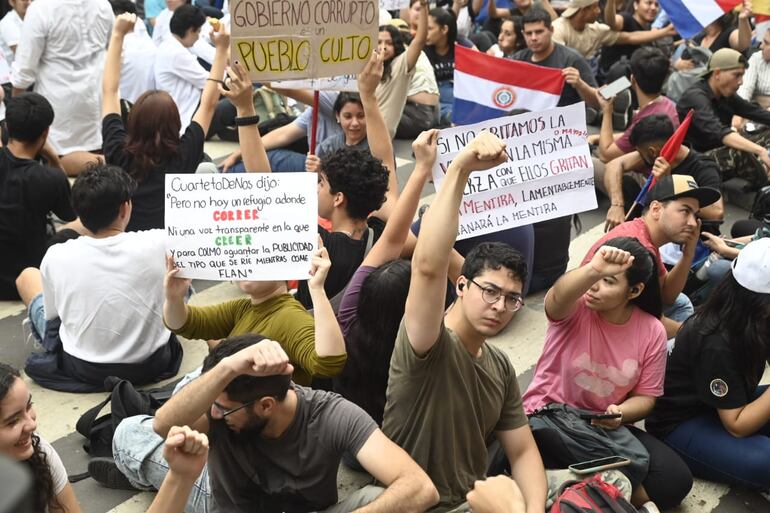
613,88
601,464
600,416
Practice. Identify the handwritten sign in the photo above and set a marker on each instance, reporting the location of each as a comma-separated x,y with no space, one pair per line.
339,83
292,39
393,5
256,226
549,172
760,6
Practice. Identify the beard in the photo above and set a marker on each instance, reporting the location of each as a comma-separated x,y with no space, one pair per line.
253,427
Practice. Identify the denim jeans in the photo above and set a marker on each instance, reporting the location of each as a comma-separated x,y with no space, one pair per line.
446,91
36,313
138,453
286,161
680,310
713,453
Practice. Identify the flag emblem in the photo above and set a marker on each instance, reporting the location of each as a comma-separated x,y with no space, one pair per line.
504,97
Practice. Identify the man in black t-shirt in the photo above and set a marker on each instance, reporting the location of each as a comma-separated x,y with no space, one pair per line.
648,137
28,190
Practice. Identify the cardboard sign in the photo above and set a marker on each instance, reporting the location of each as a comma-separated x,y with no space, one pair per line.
393,5
339,83
549,172
253,226
291,39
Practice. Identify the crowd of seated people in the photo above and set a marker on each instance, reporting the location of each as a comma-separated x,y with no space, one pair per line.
382,360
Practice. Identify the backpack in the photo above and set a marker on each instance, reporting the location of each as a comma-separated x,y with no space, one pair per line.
269,104
591,496
680,81
761,208
125,401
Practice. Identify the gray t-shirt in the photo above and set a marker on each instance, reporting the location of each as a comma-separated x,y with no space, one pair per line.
295,473
563,57
337,142
327,121
443,408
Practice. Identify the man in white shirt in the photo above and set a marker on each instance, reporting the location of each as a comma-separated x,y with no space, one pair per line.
61,53
10,27
201,48
177,70
756,80
136,70
103,316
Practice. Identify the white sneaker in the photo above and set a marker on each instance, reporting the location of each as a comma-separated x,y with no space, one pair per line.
649,507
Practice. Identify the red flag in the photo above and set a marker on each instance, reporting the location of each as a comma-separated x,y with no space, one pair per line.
671,148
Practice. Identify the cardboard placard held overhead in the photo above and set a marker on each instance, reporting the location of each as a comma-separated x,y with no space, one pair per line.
549,172
393,5
253,226
339,83
294,39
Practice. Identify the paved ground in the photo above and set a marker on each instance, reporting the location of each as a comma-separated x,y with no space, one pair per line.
522,341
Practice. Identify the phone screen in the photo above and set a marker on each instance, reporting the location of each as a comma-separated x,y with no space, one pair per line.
613,88
600,463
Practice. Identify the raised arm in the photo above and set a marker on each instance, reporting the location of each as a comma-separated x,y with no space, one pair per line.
328,336
641,37
124,24
611,16
377,133
608,150
301,95
252,150
740,38
185,452
210,94
391,243
560,302
430,263
613,182
175,289
418,43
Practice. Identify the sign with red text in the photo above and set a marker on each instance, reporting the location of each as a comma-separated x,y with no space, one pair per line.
549,172
252,226
293,39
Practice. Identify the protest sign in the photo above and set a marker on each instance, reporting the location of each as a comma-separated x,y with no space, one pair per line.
291,39
339,83
549,172
254,226
760,7
393,5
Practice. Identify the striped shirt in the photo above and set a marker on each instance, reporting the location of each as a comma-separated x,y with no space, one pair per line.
756,81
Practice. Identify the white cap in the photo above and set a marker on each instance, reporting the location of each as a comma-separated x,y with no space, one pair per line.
751,268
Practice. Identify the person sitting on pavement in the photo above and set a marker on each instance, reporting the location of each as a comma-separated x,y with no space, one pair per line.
626,175
148,145
605,315
350,115
670,215
103,316
715,101
578,29
714,412
10,28
756,80
442,366
138,57
200,47
356,192
28,190
276,446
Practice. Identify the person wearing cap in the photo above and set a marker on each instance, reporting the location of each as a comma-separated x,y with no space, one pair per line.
713,412
670,215
715,101
578,29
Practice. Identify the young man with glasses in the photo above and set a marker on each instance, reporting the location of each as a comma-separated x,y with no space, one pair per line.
449,390
277,446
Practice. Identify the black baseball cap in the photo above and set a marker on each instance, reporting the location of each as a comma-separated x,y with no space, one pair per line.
672,187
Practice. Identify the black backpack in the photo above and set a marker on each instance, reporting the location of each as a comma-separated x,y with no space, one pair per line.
125,401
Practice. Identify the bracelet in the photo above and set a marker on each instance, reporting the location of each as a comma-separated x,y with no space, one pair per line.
222,82
247,121
617,205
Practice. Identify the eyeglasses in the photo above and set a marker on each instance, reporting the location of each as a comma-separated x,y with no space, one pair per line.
224,413
491,295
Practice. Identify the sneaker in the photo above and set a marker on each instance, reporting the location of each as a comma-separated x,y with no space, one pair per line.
649,507
30,340
105,472
765,494
621,110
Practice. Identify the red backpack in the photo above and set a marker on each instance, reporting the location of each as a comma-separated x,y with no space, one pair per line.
591,496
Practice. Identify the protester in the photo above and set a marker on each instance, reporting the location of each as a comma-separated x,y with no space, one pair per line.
10,27
350,115
578,29
162,31
605,352
28,190
442,367
648,138
715,101
721,33
138,56
756,80
510,39
276,446
103,316
714,413
64,66
670,215
148,145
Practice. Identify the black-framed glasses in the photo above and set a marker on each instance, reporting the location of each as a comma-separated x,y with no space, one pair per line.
492,295
224,413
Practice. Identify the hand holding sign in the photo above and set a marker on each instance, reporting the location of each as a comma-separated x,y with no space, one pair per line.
239,90
124,23
176,288
319,267
484,152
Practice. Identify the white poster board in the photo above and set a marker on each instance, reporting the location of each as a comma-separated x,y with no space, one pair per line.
549,172
338,83
393,5
292,39
251,226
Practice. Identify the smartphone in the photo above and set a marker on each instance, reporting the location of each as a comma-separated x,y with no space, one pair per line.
600,416
589,467
613,88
